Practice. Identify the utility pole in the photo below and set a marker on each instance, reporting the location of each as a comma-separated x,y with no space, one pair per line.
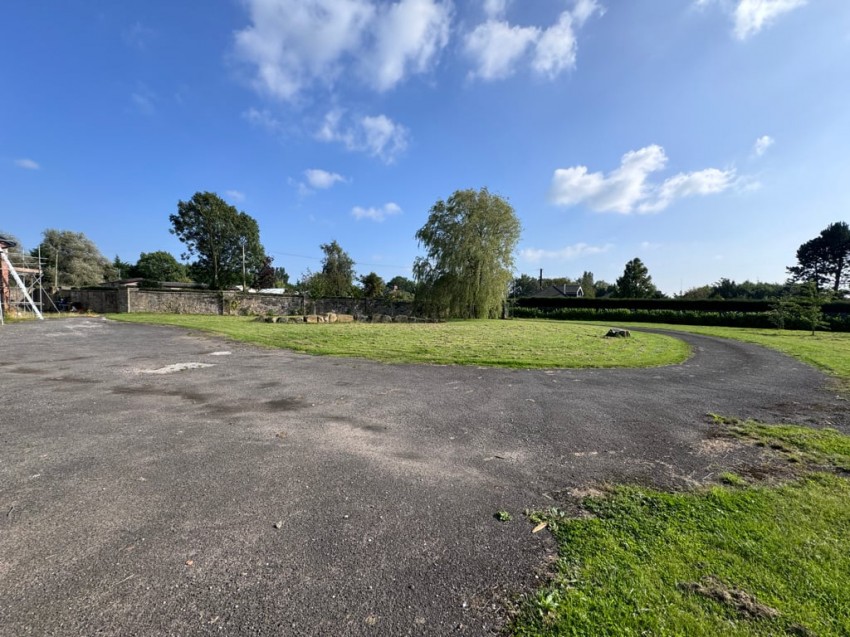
244,289
56,272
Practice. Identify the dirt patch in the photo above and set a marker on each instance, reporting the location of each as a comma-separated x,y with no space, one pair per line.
741,601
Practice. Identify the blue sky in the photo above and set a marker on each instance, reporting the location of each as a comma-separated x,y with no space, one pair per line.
707,137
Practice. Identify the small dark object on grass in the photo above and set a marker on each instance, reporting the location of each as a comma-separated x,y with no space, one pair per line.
618,333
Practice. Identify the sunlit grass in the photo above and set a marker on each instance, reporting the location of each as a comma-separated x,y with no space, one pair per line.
519,344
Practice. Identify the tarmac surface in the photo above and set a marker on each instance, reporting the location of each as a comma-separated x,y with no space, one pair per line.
155,481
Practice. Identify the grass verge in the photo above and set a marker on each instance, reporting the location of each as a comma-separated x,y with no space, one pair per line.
731,560
520,344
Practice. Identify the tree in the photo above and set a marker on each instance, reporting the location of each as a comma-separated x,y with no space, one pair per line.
337,270
123,269
71,259
16,250
524,285
636,282
402,284
160,266
825,260
281,277
373,286
264,278
469,240
588,285
225,241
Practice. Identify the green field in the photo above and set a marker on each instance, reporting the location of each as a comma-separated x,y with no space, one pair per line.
519,344
746,560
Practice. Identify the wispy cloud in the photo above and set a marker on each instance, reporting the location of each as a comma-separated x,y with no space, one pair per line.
376,214
628,189
235,195
378,135
138,36
762,144
568,253
144,100
27,164
751,16
263,119
322,179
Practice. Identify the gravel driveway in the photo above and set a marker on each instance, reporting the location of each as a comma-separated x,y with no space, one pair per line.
155,481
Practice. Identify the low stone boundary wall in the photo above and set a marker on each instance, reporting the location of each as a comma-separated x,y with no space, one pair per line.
123,300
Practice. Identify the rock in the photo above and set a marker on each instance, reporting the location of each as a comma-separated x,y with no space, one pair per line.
344,318
401,318
311,318
331,317
615,332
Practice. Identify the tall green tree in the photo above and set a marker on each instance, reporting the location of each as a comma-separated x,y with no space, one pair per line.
160,266
265,277
636,282
71,259
373,286
222,239
469,240
825,260
337,270
588,284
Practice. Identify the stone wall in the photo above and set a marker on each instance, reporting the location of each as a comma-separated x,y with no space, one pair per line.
117,301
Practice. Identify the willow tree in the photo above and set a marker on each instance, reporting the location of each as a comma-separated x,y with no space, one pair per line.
469,240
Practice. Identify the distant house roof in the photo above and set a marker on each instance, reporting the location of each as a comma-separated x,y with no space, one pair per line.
5,242
558,291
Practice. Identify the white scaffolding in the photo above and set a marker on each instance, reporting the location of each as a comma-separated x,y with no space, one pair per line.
27,276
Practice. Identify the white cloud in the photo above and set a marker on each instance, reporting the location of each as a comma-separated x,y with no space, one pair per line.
762,144
376,214
648,245
28,164
408,37
292,45
378,135
556,48
497,46
627,189
700,183
235,195
535,255
495,8
751,16
322,179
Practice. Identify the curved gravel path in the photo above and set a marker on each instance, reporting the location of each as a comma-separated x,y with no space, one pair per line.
159,482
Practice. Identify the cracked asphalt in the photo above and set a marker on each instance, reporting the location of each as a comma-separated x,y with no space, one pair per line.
155,481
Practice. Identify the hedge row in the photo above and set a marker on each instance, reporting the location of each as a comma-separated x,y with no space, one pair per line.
678,305
836,322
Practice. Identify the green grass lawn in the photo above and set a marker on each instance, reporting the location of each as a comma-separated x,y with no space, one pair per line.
520,344
752,560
